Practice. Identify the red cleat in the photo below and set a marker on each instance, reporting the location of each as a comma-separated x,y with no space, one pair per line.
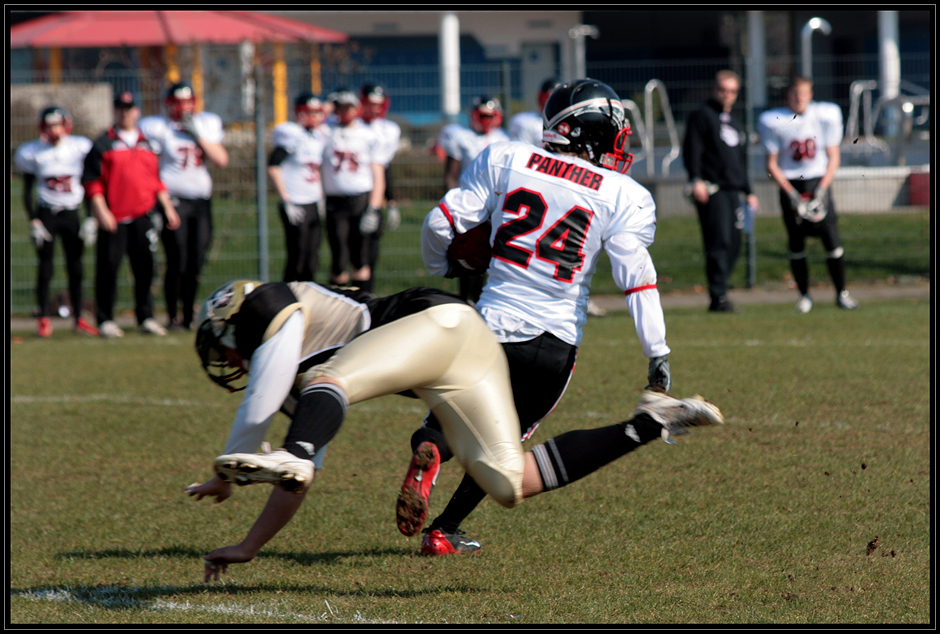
44,327
412,507
437,543
82,327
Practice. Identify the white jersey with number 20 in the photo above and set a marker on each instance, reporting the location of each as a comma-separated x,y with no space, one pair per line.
800,140
551,216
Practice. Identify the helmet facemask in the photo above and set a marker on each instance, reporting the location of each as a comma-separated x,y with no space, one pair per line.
220,362
619,160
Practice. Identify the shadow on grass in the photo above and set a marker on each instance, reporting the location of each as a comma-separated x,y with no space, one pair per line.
188,552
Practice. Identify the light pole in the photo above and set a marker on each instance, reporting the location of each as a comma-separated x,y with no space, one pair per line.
806,36
578,33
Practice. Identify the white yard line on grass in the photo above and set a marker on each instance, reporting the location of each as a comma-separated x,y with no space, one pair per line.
112,398
112,597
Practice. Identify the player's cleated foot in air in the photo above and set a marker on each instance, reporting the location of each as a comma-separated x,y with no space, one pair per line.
278,467
436,542
412,507
676,415
846,301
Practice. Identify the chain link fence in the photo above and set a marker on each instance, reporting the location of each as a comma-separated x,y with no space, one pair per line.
416,173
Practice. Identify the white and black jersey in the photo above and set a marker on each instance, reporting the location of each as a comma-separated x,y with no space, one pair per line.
283,329
182,166
57,169
464,144
551,217
389,135
800,140
348,156
299,154
527,128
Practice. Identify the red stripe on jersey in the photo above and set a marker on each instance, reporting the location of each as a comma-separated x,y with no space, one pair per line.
639,288
448,215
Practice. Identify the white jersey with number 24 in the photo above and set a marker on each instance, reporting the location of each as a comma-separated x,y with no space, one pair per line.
551,216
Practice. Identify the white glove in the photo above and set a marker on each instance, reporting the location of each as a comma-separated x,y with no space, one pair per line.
394,218
188,125
369,223
39,234
820,194
89,231
295,213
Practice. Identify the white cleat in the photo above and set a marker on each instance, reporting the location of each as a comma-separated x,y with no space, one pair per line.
846,301
110,330
277,467
676,415
151,327
804,305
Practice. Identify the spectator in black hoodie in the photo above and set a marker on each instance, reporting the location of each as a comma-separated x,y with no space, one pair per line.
715,154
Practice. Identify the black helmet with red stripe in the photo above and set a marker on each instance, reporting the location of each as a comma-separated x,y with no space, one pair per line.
586,116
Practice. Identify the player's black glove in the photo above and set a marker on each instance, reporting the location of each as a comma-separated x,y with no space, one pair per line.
658,375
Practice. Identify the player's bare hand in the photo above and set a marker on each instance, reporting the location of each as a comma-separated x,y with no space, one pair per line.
216,563
216,487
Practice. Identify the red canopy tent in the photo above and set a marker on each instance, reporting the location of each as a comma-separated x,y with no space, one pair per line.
80,29
170,29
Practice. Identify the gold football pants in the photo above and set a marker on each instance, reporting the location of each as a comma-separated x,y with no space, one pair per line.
450,359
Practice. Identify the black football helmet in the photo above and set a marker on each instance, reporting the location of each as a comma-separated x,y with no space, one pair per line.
215,333
50,116
587,116
375,102
309,110
179,100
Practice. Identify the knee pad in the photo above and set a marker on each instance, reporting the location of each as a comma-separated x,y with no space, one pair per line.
500,486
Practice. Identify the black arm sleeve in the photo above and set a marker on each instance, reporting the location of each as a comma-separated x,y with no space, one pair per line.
692,147
277,156
29,181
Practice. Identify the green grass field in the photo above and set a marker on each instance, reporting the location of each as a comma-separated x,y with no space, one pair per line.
810,506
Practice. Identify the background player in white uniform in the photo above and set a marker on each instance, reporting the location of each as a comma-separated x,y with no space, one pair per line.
53,164
375,105
354,183
527,126
549,213
802,143
294,169
462,145
186,139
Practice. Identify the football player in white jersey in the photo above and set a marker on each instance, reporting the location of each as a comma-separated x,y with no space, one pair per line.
548,214
294,169
354,183
527,126
186,139
52,164
802,143
375,105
